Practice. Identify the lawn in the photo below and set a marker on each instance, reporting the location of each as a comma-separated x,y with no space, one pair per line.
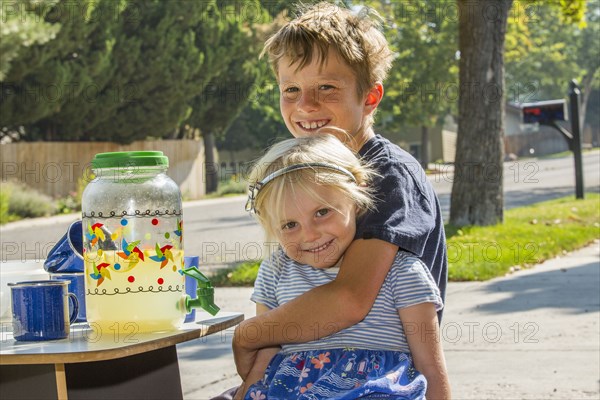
528,236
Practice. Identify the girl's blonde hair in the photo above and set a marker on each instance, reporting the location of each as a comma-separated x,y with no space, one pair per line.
267,201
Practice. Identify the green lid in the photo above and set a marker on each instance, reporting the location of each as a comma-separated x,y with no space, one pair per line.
130,158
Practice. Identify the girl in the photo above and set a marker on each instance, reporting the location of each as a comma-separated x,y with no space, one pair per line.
307,193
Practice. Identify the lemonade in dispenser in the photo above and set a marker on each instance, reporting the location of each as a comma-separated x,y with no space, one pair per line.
133,246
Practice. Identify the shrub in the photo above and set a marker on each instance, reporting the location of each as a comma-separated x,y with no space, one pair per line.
235,185
4,198
69,204
26,202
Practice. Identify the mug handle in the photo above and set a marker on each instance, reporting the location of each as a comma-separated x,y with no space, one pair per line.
75,311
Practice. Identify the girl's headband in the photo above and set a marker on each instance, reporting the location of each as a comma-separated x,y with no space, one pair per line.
253,190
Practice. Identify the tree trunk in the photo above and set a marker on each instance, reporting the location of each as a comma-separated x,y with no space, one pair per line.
210,166
477,190
424,147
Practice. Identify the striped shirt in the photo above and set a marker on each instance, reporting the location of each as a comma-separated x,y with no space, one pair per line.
408,283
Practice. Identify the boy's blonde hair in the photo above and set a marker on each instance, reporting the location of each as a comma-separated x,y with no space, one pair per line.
267,202
324,26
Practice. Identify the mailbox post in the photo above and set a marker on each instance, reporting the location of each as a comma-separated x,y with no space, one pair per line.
574,95
548,113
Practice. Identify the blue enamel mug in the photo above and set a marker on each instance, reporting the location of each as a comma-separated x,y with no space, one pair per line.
40,310
76,286
67,254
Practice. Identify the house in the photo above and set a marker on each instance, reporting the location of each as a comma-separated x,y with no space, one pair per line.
441,143
531,139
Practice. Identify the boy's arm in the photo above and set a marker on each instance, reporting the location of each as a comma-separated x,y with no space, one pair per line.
323,310
424,340
261,363
257,372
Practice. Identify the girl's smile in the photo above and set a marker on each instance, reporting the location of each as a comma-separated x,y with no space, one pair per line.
320,248
317,226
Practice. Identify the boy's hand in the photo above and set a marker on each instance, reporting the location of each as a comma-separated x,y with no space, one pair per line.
244,357
257,372
241,392
251,362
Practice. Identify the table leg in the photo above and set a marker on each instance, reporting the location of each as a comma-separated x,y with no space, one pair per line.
61,382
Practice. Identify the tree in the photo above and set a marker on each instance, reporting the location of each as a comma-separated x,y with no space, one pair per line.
477,190
157,68
260,122
544,51
124,70
23,25
421,88
232,52
43,76
539,60
588,56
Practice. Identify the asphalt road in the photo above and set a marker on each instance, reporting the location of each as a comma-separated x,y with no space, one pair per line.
222,232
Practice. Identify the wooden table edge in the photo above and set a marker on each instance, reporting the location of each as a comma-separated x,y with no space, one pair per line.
120,352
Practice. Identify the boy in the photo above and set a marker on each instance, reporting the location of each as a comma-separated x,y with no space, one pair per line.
330,64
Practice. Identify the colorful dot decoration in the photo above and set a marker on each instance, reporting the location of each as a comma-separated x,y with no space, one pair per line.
148,236
174,268
123,222
167,235
117,266
160,281
154,221
131,279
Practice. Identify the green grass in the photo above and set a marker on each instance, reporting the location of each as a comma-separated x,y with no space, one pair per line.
528,236
241,275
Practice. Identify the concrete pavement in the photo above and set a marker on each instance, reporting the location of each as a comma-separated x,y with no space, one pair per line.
534,334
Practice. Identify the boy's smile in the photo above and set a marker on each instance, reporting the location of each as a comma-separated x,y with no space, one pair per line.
321,96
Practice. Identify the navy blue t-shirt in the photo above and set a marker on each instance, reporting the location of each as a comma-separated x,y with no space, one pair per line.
408,211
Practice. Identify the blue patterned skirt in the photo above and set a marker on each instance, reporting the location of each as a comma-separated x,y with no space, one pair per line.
340,374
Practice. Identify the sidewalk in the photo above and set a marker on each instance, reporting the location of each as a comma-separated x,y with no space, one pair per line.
532,335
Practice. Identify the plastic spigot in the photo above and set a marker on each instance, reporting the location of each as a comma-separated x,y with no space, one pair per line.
205,294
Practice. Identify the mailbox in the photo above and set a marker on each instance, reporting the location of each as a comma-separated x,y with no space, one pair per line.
544,111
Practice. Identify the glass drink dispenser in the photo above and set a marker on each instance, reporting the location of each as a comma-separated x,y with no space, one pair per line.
133,245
